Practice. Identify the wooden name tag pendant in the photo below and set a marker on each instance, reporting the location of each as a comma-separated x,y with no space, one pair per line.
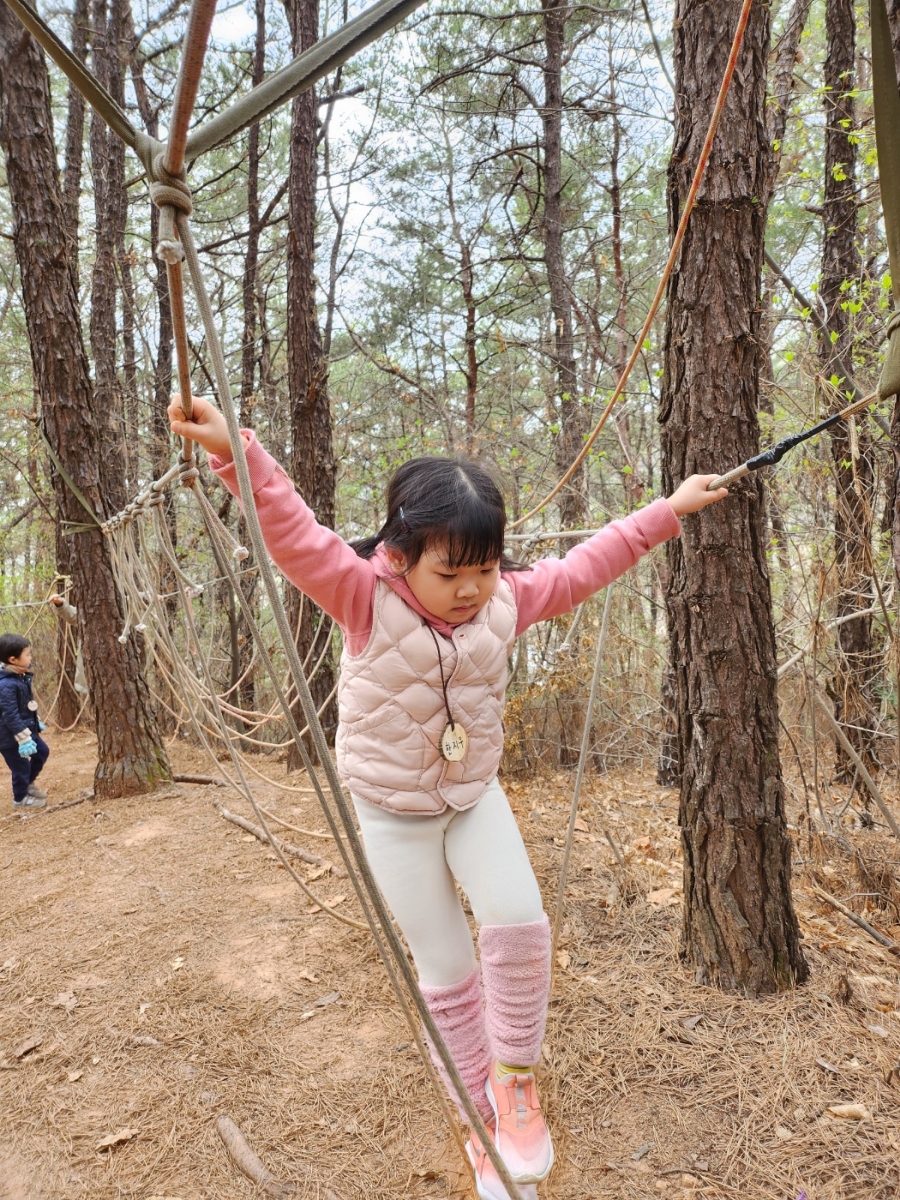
453,743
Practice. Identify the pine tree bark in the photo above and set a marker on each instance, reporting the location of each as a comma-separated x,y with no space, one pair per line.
573,415
68,704
110,209
313,466
740,931
131,758
242,660
850,688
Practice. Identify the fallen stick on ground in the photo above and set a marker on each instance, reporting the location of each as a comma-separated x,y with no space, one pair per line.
291,851
18,814
296,828
287,849
253,1167
879,937
211,779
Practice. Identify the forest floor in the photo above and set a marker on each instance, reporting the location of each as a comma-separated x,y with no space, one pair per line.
166,971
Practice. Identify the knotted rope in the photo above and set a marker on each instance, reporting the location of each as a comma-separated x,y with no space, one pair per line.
171,195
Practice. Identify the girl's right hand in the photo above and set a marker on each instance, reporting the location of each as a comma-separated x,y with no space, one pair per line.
207,426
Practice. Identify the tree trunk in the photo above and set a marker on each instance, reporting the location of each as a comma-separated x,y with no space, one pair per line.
573,415
851,686
68,703
160,438
75,134
313,467
250,367
131,758
740,932
110,208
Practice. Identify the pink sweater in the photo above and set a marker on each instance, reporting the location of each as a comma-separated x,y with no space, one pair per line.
331,573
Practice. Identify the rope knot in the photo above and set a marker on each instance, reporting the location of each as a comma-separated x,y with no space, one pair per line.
171,194
188,472
893,323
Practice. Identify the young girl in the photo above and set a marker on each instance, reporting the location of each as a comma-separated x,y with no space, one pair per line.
430,608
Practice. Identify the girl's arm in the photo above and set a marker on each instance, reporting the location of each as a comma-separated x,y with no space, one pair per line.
557,585
314,558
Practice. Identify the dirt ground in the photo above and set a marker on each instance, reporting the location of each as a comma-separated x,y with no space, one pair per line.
166,972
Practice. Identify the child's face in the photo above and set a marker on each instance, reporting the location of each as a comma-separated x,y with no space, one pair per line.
455,594
23,662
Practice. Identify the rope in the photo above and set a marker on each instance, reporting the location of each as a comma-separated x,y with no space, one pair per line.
669,267
579,777
388,943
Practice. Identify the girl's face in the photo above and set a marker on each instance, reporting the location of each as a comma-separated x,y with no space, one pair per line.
455,594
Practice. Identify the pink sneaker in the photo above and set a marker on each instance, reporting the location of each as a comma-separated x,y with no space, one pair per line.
487,1181
522,1135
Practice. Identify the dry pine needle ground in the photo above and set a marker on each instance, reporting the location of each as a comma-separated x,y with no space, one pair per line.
167,972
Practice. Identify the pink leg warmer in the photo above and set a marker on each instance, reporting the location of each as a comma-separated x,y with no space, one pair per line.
458,1012
515,967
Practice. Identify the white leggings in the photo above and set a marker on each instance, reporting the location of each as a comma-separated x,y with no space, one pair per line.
416,860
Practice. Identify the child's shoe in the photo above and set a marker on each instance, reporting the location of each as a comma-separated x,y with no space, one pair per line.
521,1132
487,1181
29,801
35,792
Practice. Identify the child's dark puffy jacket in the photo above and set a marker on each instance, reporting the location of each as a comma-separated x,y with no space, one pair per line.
15,715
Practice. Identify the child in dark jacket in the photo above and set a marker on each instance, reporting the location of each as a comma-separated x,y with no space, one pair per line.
21,743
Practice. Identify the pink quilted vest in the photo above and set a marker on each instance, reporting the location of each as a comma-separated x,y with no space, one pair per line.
391,707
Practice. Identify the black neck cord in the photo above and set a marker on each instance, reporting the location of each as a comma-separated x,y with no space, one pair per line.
443,680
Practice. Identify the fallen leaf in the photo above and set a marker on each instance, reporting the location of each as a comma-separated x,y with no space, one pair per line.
692,1022
580,825
327,904
878,1030
323,1001
74,1076
689,1181
827,1066
177,963
117,1139
782,1133
142,1040
563,959
26,1048
316,873
849,1112
308,975
66,1000
664,897
642,843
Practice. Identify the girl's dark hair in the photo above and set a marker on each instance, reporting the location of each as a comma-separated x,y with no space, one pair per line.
12,645
451,502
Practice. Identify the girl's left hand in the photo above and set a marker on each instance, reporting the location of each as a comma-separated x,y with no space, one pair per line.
692,495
